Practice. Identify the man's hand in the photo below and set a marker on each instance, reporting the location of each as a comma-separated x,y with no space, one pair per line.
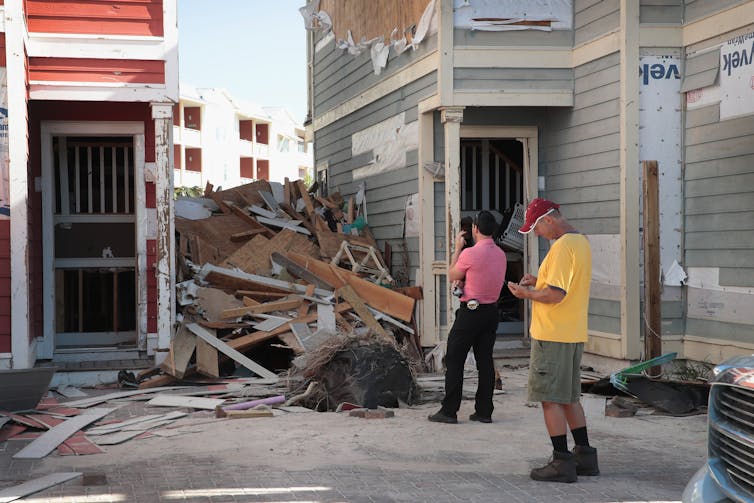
460,240
518,290
528,280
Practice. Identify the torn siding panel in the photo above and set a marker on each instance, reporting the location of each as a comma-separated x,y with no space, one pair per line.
715,305
476,38
343,76
388,141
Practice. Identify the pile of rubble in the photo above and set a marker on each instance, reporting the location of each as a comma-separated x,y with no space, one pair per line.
278,280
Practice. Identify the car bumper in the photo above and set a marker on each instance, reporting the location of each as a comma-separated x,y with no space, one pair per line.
702,488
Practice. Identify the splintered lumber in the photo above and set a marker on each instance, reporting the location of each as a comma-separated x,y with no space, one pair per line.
212,236
245,235
281,305
212,302
294,225
247,341
249,257
239,280
300,272
207,361
181,349
305,196
253,222
193,402
270,400
88,402
49,440
348,294
330,242
380,298
230,352
35,485
292,341
247,414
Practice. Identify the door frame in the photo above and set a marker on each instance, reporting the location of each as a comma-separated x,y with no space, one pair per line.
46,348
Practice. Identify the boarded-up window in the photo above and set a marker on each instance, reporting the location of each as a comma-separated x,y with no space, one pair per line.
372,18
192,118
263,133
263,169
247,167
194,159
245,129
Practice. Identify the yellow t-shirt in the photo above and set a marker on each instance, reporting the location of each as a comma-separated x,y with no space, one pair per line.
567,266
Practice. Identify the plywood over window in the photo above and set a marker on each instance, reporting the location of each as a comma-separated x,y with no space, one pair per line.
372,18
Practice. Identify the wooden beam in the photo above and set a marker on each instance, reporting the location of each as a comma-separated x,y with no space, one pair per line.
281,305
348,294
230,352
380,298
300,272
207,361
181,349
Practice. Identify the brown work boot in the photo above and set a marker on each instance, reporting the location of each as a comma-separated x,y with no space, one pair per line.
561,468
586,460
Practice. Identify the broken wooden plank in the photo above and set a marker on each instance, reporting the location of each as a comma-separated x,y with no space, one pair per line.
300,272
230,352
348,294
245,235
280,305
181,349
246,341
193,402
293,342
381,298
88,402
211,273
248,414
35,485
49,440
270,322
207,361
294,225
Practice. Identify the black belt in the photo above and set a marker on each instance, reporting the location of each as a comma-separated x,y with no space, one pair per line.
473,304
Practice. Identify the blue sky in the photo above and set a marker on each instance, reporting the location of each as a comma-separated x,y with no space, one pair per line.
256,49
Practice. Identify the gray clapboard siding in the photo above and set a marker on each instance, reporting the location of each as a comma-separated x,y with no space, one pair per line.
479,38
661,11
719,330
594,18
718,240
731,184
735,222
719,204
346,76
719,258
719,167
606,324
701,70
697,9
489,79
703,116
737,276
591,178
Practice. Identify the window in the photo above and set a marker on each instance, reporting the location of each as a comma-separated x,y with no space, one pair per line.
284,144
301,147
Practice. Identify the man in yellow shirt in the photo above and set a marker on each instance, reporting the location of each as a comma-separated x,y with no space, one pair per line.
560,301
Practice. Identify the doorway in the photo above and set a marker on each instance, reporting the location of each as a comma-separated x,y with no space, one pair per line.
91,274
492,178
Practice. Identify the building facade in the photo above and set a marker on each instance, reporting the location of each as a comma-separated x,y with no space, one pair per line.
441,108
86,247
229,142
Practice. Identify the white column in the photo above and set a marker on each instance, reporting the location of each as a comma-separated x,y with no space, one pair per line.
451,118
629,179
430,332
21,345
162,114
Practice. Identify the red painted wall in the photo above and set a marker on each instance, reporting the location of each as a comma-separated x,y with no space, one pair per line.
73,111
5,337
2,48
263,169
247,167
135,71
114,17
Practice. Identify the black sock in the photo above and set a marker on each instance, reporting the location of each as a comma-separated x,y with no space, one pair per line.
559,443
580,436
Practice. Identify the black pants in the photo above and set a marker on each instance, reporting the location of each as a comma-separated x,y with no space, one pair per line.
471,329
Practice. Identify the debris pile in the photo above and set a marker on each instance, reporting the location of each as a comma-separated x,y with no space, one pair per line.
267,273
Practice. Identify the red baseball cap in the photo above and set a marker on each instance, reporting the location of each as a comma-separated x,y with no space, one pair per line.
537,209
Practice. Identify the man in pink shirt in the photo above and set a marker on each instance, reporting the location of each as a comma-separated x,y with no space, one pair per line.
481,270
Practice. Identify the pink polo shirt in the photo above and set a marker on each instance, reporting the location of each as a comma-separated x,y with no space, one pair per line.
484,265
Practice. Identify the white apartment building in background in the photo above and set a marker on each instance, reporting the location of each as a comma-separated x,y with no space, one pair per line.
229,142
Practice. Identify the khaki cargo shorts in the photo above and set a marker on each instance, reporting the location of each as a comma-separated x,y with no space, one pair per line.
555,371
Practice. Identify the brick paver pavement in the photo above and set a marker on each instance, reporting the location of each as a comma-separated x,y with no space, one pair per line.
336,458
